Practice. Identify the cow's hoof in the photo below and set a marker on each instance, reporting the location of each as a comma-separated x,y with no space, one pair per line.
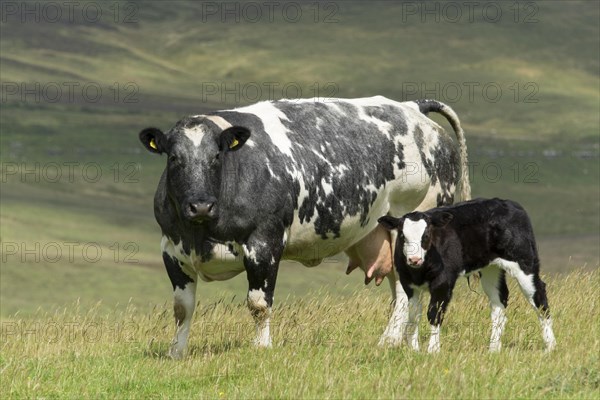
177,353
389,341
433,349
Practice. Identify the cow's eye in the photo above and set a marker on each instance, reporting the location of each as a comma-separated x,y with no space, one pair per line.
172,158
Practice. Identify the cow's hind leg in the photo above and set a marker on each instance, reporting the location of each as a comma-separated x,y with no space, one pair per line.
534,290
493,281
184,296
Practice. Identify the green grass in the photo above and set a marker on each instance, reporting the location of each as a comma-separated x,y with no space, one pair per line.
324,347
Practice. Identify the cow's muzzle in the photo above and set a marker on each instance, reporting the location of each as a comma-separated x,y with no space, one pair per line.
200,210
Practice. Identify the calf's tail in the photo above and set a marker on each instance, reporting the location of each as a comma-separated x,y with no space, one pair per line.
427,106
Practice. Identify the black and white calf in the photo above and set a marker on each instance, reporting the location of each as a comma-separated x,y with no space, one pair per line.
493,237
300,180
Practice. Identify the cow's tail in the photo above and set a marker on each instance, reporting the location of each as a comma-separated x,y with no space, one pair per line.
427,106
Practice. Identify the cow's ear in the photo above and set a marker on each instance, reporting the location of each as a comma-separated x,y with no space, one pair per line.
152,138
441,219
232,139
390,223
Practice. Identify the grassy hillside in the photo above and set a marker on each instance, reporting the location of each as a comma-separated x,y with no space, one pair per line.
157,61
324,347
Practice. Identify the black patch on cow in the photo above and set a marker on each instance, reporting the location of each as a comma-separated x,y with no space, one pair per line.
325,139
178,278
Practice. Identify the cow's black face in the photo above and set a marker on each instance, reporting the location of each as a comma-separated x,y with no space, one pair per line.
195,156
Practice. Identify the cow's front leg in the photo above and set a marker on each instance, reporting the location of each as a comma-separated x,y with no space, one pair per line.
184,296
261,259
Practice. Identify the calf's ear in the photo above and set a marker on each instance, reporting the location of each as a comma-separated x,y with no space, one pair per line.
390,223
441,219
232,139
152,138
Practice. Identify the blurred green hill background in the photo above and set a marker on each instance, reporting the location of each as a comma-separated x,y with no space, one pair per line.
76,199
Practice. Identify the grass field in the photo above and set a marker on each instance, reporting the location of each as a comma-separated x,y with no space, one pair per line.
324,347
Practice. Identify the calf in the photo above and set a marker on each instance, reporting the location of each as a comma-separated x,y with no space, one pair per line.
491,237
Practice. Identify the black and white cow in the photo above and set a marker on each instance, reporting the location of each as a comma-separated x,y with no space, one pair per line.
493,237
300,180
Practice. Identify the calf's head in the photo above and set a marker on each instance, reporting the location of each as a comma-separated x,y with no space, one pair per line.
195,150
416,233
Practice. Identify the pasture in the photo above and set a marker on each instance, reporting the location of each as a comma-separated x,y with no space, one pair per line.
85,303
324,347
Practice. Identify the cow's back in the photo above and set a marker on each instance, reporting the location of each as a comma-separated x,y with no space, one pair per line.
343,163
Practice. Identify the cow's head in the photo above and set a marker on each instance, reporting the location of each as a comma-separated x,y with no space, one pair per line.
416,233
196,150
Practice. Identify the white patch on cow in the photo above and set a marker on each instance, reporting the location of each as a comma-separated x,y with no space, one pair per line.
513,269
285,237
266,284
257,299
319,123
413,234
263,332
434,339
498,322
271,118
219,121
195,134
271,172
249,253
321,157
384,127
547,333
223,264
327,188
341,169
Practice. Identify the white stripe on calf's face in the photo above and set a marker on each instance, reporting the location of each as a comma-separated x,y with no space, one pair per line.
413,235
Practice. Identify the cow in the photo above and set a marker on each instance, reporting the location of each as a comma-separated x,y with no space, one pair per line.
490,237
297,179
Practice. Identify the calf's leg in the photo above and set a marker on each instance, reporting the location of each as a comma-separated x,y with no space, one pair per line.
534,290
440,297
493,281
414,316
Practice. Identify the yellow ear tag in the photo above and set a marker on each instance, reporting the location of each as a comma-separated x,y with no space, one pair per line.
153,144
234,143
